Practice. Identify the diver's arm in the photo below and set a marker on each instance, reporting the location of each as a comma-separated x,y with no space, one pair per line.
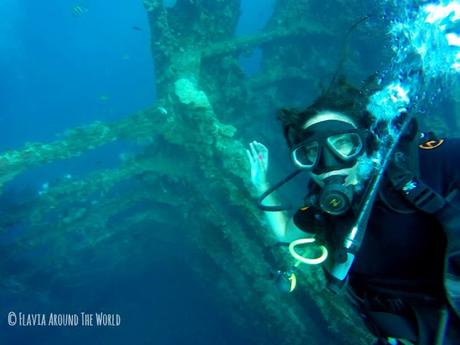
258,159
283,229
276,220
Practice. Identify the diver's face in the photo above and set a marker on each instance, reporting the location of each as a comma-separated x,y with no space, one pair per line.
332,143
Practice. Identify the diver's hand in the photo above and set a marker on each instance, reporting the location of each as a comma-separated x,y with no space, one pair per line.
258,158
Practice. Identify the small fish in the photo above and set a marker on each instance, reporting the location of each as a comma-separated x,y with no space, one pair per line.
79,10
136,28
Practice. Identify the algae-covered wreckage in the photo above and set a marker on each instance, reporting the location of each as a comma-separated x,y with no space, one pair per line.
206,112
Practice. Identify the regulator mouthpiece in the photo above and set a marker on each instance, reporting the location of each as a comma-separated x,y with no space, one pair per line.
335,197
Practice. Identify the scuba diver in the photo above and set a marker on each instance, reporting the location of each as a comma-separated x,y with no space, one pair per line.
404,275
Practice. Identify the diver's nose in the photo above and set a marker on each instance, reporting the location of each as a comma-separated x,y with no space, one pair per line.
327,160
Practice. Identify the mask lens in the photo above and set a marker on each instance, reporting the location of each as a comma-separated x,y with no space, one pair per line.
346,145
305,156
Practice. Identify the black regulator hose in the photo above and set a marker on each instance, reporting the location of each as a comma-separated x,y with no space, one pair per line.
271,190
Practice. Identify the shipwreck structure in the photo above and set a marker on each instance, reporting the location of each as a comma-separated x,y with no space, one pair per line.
193,160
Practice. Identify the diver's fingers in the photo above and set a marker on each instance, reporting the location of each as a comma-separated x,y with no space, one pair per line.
262,151
261,148
262,155
251,159
261,164
253,149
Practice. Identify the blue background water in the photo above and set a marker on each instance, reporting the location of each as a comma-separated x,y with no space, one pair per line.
59,71
56,67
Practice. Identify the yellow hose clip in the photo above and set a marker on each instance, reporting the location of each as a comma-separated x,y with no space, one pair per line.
302,259
293,279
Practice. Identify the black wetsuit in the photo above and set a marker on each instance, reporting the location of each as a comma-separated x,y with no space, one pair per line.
402,256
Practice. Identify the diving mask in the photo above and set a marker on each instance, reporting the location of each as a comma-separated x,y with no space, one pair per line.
338,149
329,150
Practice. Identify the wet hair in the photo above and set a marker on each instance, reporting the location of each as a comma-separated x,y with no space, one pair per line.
341,97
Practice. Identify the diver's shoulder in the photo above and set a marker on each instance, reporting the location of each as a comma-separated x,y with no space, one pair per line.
439,161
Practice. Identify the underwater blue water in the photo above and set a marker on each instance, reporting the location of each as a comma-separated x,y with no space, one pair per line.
60,70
